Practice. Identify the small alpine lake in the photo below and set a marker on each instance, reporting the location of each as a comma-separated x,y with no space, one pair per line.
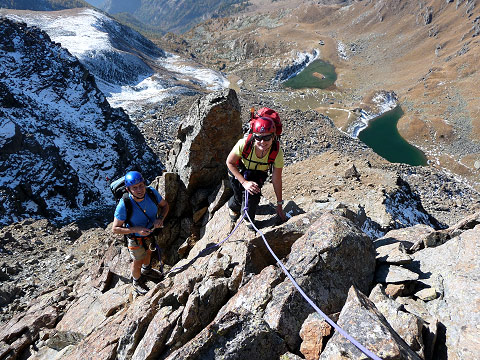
318,74
383,137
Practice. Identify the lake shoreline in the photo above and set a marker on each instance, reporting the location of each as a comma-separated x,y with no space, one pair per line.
384,101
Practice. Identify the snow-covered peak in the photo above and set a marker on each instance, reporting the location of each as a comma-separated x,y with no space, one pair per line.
129,69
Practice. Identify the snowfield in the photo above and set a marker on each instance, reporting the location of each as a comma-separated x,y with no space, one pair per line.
129,69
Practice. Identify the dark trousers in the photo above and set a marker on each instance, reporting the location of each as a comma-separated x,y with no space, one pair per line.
237,201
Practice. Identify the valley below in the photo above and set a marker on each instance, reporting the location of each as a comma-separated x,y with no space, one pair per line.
426,55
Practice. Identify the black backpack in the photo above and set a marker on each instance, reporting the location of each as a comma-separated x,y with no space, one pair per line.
119,191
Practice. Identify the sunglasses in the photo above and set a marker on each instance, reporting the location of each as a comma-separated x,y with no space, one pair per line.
265,137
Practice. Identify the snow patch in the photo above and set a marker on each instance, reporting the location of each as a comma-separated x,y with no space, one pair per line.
7,131
385,101
300,61
114,55
342,50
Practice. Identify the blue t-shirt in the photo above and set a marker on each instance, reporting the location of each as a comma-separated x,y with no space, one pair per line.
139,210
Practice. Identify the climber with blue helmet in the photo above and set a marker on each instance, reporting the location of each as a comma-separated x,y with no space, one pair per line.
148,210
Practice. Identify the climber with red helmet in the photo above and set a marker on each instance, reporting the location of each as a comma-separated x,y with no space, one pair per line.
136,217
249,162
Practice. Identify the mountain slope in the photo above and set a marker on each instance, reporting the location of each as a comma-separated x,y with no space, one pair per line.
60,139
42,5
425,52
129,69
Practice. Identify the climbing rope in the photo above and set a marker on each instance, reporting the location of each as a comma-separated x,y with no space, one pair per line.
305,296
217,245
290,277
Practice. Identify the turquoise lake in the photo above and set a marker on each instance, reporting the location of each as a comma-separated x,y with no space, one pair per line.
383,137
307,79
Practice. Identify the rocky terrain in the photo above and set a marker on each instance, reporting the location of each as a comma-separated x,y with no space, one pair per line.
169,15
388,251
353,218
131,71
42,5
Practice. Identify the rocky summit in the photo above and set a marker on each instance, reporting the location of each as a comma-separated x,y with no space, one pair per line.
359,241
375,259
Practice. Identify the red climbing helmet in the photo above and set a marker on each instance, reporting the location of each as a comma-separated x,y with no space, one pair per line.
265,114
263,125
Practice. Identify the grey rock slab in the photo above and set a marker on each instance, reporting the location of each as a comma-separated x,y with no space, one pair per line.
361,320
153,341
197,155
455,266
427,294
331,256
394,274
407,325
394,253
407,236
233,337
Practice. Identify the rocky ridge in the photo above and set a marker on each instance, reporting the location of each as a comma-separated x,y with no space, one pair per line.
53,115
236,295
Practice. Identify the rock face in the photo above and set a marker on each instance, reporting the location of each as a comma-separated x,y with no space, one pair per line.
361,319
195,185
53,115
451,270
204,140
323,250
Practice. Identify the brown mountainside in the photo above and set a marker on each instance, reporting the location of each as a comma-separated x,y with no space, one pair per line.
425,51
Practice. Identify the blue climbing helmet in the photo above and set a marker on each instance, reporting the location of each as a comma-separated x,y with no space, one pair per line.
133,178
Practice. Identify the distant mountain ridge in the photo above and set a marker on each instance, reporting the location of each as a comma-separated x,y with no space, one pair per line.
129,69
43,5
172,15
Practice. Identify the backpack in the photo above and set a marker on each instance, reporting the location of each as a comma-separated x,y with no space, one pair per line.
268,113
119,191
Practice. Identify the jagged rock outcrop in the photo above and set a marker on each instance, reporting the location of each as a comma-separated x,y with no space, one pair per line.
451,272
195,182
409,326
361,319
53,115
204,140
323,250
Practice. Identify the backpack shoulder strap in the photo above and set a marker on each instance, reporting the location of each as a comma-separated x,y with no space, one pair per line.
151,195
128,207
274,152
247,149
